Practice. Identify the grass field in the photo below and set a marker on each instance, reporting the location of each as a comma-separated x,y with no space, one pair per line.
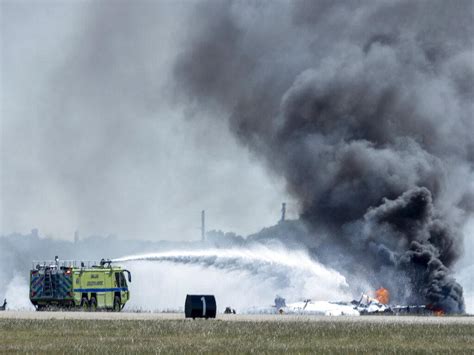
220,336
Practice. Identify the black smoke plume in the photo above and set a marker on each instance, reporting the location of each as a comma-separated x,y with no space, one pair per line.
366,109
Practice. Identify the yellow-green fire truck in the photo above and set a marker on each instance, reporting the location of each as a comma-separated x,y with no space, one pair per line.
73,284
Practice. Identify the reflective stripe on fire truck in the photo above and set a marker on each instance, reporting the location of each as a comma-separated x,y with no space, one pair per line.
100,289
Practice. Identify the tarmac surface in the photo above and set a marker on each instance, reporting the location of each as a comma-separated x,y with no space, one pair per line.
237,317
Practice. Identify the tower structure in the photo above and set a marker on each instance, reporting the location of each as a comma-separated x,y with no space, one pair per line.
283,212
203,225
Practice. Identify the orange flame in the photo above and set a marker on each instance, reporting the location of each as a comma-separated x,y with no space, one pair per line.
438,312
382,295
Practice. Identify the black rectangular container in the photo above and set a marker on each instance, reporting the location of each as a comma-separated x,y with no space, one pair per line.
200,306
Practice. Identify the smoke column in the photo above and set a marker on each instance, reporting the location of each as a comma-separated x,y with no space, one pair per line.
242,278
366,110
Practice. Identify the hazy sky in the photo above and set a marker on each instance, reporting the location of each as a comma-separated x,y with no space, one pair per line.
92,138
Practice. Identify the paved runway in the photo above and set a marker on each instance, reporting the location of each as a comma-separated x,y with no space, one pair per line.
236,317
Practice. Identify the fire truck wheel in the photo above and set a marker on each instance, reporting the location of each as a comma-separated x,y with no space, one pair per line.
93,304
117,304
85,304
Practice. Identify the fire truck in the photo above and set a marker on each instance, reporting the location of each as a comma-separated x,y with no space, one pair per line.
79,284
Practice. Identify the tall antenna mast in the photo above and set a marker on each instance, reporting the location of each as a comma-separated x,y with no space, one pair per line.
203,225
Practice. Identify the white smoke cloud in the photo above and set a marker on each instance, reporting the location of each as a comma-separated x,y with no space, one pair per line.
465,268
101,142
17,294
466,280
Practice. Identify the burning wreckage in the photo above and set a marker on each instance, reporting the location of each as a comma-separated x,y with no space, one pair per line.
366,305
